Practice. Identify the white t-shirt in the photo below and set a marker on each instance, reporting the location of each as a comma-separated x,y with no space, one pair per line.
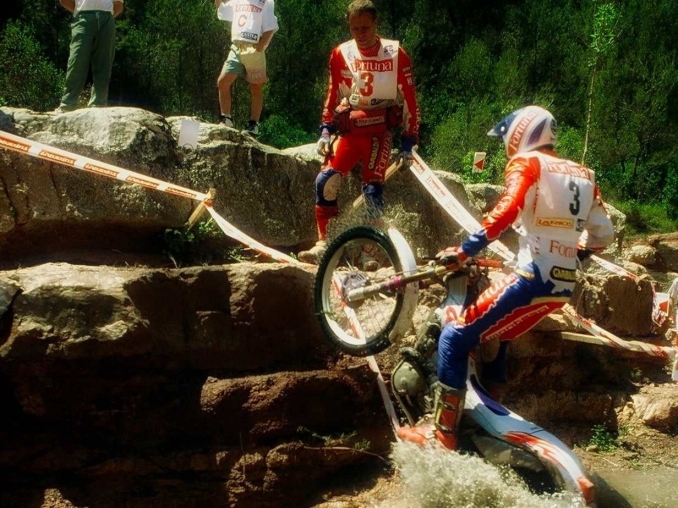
95,5
249,18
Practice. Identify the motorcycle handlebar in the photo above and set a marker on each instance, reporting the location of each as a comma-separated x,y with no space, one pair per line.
399,281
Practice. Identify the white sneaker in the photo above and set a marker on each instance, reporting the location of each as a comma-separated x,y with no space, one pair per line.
226,120
252,128
314,254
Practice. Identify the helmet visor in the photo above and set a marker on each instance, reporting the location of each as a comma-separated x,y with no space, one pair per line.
500,130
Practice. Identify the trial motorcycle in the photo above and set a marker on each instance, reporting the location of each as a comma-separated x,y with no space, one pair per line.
365,296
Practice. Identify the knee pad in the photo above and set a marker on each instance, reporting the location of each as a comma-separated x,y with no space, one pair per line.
327,185
374,200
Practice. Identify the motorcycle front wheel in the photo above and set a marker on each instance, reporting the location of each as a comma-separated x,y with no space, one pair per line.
360,257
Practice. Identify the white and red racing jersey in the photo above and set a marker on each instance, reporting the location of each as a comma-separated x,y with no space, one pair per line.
371,79
555,205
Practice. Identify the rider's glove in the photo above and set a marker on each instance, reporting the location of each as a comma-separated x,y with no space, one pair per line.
451,255
407,143
584,254
323,144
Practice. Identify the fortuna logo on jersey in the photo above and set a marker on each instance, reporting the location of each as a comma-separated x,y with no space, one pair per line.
561,249
247,8
569,169
373,65
517,134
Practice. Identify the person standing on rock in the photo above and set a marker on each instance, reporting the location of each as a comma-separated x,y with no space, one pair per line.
92,45
253,24
370,91
556,207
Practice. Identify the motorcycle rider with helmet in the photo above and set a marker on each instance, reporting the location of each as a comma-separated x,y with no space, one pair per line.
555,206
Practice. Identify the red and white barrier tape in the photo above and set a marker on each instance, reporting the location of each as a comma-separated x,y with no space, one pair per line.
371,361
236,234
51,154
451,204
605,338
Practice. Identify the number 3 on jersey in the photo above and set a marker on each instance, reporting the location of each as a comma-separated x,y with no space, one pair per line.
367,78
575,204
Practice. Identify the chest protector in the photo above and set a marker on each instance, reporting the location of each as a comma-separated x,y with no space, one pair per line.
375,78
559,205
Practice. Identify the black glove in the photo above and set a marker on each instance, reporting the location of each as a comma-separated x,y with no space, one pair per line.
584,254
407,144
451,255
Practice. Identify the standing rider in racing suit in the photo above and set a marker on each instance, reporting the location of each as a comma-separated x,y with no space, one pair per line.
371,90
556,207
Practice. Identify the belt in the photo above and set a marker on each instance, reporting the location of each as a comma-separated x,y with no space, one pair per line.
243,44
93,11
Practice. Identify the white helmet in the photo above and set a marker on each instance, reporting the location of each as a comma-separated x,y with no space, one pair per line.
526,129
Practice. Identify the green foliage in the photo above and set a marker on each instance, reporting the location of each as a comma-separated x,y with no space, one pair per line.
297,59
670,192
644,218
172,53
455,140
605,26
340,440
603,439
472,67
186,246
279,132
28,79
570,143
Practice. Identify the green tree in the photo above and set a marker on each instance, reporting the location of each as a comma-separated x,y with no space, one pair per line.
172,52
27,79
605,32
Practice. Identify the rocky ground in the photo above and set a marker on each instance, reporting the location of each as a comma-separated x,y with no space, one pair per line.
630,461
634,469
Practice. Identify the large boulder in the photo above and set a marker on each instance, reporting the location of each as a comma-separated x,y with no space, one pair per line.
46,208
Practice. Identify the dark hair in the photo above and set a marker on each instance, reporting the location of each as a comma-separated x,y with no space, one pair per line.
358,7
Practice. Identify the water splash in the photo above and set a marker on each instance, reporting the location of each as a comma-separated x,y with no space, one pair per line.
436,478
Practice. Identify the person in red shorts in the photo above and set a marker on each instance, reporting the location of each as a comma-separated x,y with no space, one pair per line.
371,91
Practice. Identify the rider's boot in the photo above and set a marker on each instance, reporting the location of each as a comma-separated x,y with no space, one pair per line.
449,406
422,434
314,254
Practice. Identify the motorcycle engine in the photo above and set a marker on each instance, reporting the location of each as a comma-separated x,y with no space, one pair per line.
407,380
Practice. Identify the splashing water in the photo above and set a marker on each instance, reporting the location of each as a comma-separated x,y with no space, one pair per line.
436,478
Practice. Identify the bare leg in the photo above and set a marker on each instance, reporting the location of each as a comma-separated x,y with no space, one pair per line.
257,101
224,83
